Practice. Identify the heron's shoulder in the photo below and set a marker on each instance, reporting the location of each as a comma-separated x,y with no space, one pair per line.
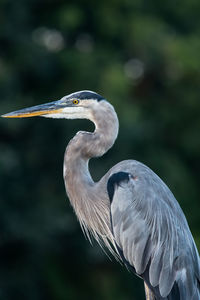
133,167
147,181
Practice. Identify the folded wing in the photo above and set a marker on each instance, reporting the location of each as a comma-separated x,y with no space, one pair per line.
152,234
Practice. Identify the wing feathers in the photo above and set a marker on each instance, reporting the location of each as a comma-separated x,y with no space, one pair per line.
152,233
166,280
155,267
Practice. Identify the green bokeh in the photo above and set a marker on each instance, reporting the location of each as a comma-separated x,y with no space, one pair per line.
144,57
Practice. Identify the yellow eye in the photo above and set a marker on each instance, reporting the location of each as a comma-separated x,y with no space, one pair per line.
75,101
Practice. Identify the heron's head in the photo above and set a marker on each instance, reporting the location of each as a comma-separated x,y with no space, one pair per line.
78,105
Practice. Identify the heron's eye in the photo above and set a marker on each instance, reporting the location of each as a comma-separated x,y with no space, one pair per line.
75,101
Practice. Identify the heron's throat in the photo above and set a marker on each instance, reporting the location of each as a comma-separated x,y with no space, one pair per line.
87,197
86,145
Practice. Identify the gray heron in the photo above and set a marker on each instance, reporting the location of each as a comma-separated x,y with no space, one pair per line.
130,209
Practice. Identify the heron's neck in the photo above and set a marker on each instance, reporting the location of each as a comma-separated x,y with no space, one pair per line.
86,196
86,145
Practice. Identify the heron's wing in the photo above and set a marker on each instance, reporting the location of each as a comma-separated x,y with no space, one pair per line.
153,236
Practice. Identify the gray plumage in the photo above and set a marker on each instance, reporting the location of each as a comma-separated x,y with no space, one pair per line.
130,209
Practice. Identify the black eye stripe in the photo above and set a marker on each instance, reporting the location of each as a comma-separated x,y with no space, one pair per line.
81,96
86,95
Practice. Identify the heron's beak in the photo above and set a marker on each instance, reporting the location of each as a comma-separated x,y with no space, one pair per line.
38,110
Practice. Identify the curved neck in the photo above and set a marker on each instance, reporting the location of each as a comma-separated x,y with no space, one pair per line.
90,200
93,144
86,145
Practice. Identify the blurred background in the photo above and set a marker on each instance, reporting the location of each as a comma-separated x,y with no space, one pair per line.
144,57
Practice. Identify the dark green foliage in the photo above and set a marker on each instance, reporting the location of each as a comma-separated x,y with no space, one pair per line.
144,57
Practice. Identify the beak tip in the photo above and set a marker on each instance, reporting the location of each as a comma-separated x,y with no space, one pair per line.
4,116
9,115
